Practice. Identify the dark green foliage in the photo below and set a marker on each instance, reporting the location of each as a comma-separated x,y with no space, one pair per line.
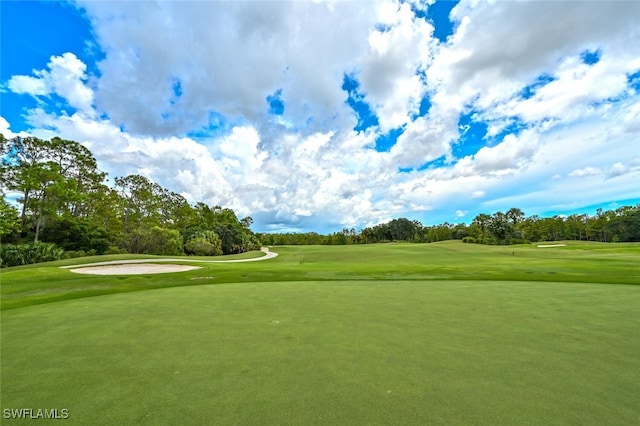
71,254
512,227
203,243
77,234
402,229
65,200
200,246
9,222
55,178
26,254
396,230
620,225
115,250
234,234
293,239
153,240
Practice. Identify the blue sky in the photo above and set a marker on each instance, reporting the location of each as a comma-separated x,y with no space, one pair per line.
319,116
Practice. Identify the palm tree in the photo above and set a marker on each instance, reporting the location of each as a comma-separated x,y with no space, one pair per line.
482,221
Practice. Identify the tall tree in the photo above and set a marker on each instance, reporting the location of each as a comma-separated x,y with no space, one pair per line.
54,177
481,223
9,221
78,165
18,157
142,201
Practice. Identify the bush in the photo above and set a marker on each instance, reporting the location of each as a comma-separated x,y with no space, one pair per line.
70,254
488,241
204,245
74,234
26,254
115,250
155,240
469,240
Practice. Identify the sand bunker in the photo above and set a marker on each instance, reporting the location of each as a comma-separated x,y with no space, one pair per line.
552,245
133,268
138,266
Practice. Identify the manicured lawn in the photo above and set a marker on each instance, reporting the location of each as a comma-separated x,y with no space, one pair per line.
587,263
386,334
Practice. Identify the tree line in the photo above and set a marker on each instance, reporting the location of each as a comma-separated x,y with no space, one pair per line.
510,227
66,207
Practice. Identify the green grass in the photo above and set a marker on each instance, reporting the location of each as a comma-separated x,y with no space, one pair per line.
386,334
451,260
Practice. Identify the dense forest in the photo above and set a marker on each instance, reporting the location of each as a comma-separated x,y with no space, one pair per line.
67,209
511,227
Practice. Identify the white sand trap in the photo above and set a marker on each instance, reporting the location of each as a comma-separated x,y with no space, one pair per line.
133,268
552,245
140,266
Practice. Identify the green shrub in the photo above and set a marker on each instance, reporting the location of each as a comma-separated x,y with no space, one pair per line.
202,246
70,254
115,250
488,241
155,240
26,254
76,234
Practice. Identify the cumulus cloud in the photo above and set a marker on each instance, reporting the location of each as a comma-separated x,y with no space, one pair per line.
228,57
425,139
24,84
500,49
512,41
65,77
5,130
396,52
182,92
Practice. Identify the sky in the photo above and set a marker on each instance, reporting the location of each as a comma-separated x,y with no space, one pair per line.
324,115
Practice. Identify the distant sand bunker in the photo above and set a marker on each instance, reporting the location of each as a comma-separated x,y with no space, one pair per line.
552,245
133,269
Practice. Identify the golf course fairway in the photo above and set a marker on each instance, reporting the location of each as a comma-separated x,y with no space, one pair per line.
406,334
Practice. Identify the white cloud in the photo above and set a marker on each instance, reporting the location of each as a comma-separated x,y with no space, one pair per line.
66,77
587,171
520,40
501,48
5,129
424,140
308,169
24,84
389,69
228,56
631,119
